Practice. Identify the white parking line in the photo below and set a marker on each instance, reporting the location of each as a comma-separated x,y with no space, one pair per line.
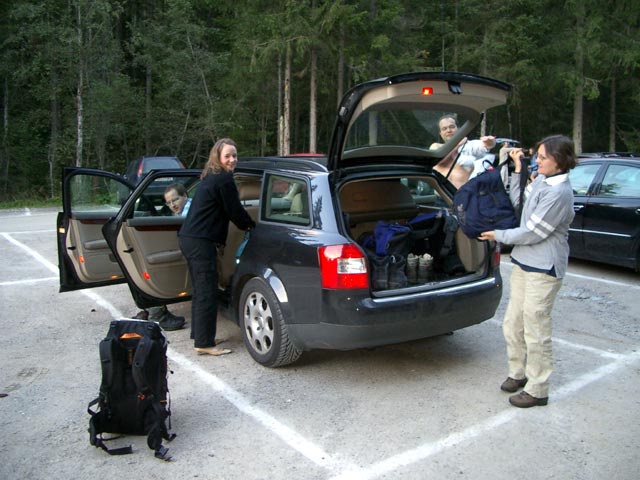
577,346
27,282
29,231
115,313
296,441
427,450
346,470
505,263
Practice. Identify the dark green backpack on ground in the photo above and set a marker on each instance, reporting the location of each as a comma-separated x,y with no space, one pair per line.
134,393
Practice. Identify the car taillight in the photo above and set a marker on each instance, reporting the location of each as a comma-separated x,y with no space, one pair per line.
140,170
343,267
496,256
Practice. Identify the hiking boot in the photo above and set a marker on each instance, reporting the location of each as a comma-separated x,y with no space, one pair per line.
397,277
380,272
425,267
512,385
157,314
524,400
412,268
171,322
141,315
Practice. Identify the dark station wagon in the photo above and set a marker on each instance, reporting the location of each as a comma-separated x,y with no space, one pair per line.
304,279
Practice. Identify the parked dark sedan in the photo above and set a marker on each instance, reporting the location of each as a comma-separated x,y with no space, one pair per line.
139,168
606,228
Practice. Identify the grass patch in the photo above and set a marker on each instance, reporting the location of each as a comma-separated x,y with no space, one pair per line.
30,203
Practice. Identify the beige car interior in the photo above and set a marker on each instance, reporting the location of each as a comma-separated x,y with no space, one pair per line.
88,250
366,202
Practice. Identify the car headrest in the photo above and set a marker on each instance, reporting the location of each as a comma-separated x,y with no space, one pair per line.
249,190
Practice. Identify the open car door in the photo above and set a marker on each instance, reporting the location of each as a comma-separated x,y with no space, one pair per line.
143,238
89,199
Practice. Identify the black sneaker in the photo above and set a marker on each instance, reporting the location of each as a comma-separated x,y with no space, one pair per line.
141,315
171,322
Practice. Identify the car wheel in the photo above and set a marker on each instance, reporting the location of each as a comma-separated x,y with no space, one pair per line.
263,328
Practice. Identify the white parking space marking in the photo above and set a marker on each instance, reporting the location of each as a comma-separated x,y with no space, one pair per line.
28,282
115,313
31,252
286,434
289,436
429,449
577,346
587,277
346,470
29,231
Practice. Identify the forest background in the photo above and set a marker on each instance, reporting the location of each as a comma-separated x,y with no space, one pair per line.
97,83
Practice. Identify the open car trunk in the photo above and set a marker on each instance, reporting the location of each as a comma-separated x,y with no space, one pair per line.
396,218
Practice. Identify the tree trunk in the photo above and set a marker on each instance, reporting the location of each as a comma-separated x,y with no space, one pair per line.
80,93
341,65
312,102
280,117
612,116
147,111
55,129
579,87
4,153
456,28
286,144
483,71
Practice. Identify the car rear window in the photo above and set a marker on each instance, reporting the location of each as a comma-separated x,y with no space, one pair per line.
159,164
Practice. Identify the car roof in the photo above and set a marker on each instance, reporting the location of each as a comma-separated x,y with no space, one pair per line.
302,163
610,155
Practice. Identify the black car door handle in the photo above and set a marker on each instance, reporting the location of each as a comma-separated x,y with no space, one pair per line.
129,250
577,208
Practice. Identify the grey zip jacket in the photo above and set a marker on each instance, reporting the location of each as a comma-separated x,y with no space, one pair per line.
541,240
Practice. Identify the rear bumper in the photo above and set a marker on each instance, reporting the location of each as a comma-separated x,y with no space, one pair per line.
349,322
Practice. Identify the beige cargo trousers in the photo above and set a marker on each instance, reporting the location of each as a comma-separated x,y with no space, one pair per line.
527,328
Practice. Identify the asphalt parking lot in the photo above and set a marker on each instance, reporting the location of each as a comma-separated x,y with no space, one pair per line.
425,409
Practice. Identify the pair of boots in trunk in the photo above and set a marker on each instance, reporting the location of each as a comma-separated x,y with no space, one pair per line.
394,271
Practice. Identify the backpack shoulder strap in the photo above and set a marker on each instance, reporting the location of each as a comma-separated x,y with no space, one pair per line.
145,345
450,229
106,362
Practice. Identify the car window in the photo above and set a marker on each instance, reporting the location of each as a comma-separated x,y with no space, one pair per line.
96,194
151,200
287,200
621,181
582,176
400,126
161,163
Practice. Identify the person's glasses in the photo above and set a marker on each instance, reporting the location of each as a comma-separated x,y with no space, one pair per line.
172,201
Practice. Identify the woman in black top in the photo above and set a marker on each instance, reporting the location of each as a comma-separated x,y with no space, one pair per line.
203,232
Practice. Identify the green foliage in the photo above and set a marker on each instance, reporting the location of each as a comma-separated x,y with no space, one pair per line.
172,76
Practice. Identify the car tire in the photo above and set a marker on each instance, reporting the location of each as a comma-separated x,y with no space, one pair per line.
263,327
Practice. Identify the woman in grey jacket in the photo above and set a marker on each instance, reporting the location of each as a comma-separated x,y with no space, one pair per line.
540,256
